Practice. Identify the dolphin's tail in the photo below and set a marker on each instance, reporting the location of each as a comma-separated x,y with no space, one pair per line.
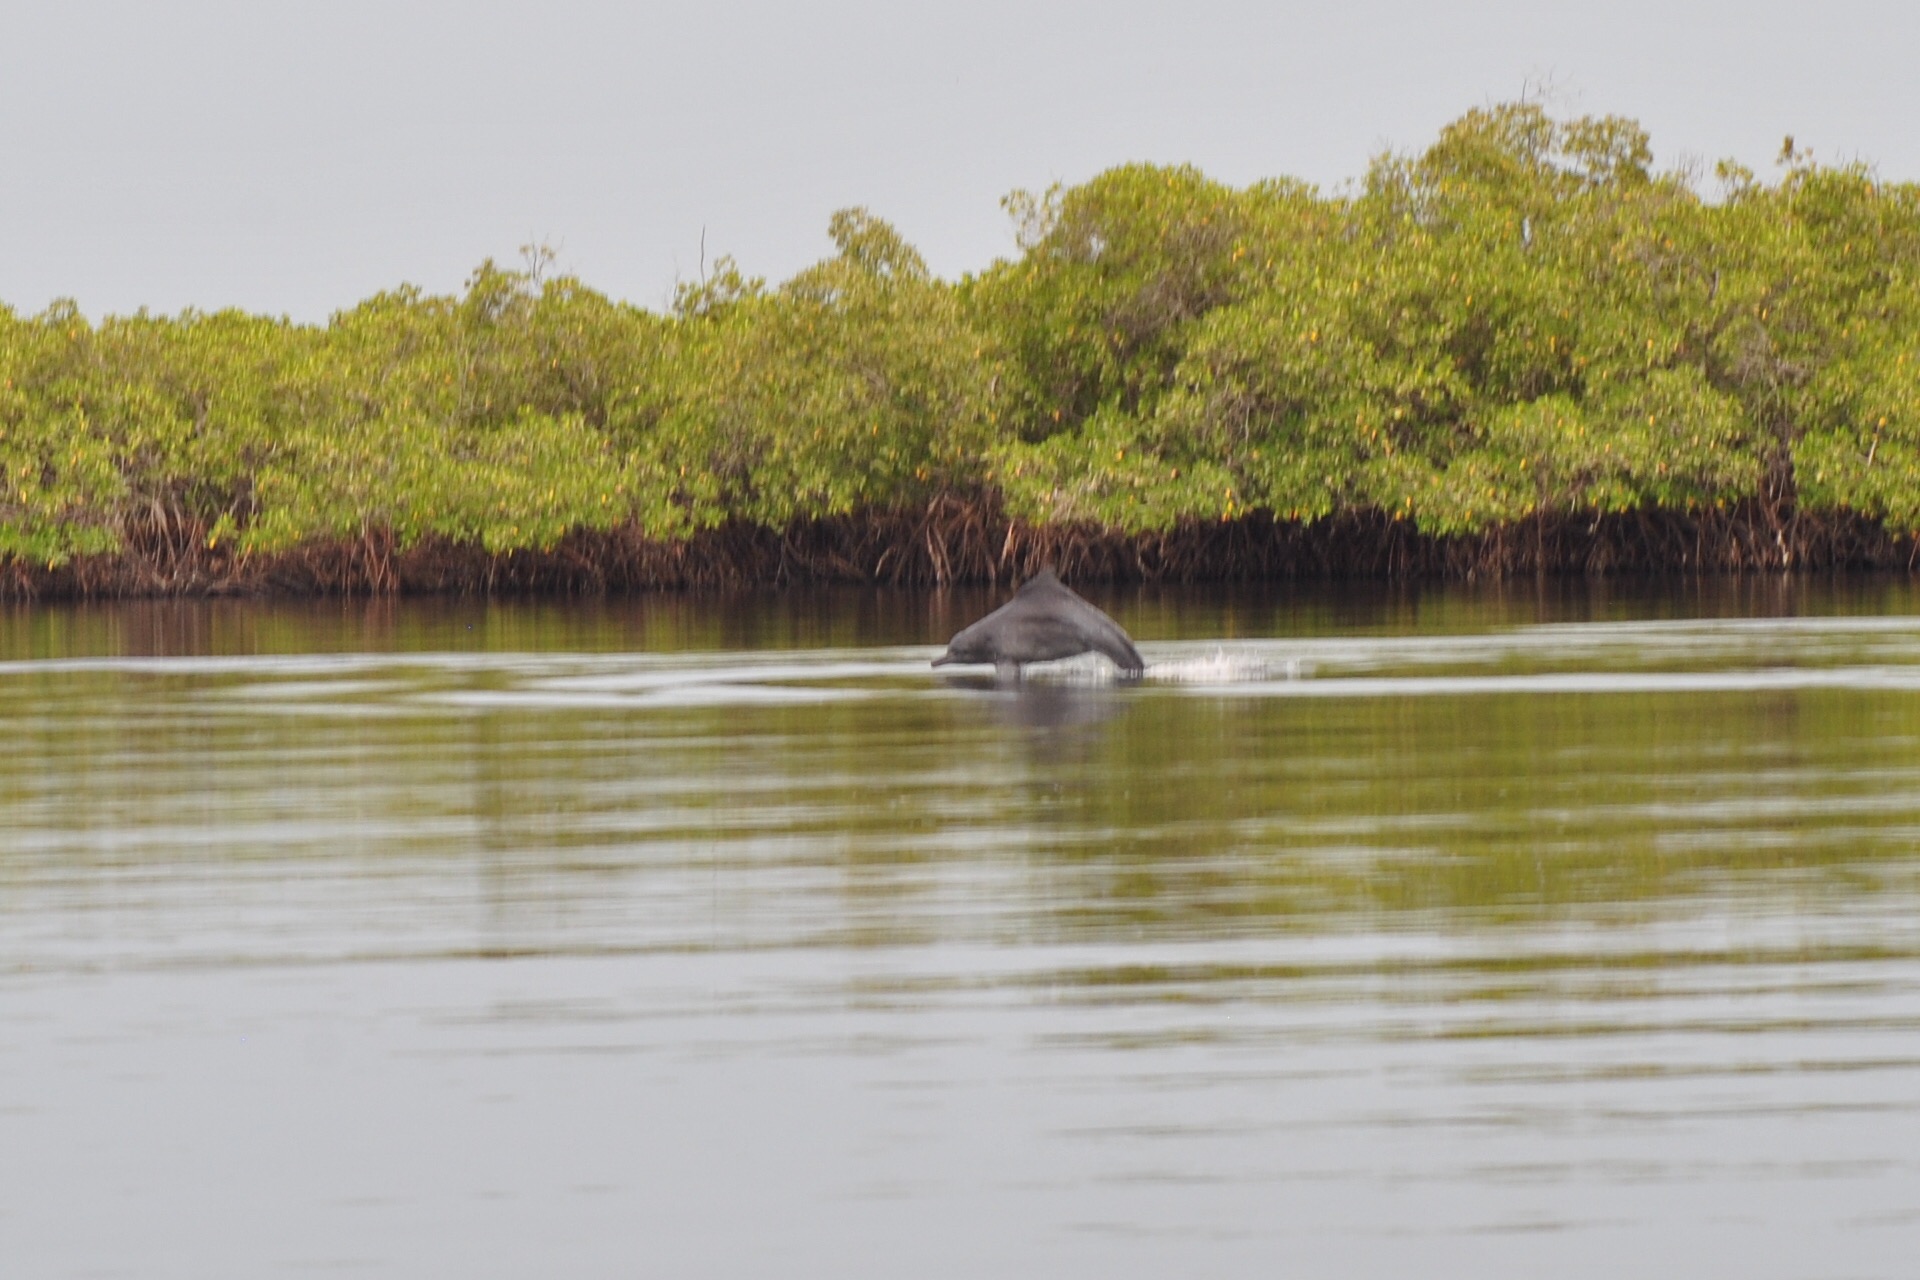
1121,650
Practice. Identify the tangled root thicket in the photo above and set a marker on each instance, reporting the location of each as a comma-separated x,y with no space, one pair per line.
969,540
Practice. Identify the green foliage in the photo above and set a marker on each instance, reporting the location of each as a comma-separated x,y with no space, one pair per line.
1523,318
1095,312
859,383
1526,319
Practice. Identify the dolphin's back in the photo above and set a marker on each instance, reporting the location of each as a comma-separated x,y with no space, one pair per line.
1065,624
1119,647
1043,621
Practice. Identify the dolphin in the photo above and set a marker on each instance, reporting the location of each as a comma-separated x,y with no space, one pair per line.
1044,620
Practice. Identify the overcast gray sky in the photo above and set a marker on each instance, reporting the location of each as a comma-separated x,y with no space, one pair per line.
296,157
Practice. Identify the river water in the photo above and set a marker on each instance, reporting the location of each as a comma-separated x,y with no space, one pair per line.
1565,931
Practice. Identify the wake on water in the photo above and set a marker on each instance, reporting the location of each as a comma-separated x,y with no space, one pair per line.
1218,667
1701,656
1221,667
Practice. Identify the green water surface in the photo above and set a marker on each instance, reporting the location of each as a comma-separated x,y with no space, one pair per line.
1570,929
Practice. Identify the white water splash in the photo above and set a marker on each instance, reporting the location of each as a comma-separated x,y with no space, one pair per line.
1219,667
1222,667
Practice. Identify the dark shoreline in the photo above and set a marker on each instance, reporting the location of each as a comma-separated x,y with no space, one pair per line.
954,541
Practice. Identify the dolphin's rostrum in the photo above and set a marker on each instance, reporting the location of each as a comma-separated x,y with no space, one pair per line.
1043,621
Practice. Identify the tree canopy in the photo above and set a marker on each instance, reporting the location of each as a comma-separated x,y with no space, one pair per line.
1525,318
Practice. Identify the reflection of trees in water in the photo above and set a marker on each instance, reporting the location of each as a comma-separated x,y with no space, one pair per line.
497,841
1049,714
527,895
1063,735
1060,732
1145,809
1191,817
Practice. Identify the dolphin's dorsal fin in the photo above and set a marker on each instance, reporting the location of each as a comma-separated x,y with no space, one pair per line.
1045,578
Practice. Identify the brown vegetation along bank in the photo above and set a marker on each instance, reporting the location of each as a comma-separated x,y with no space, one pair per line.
952,541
